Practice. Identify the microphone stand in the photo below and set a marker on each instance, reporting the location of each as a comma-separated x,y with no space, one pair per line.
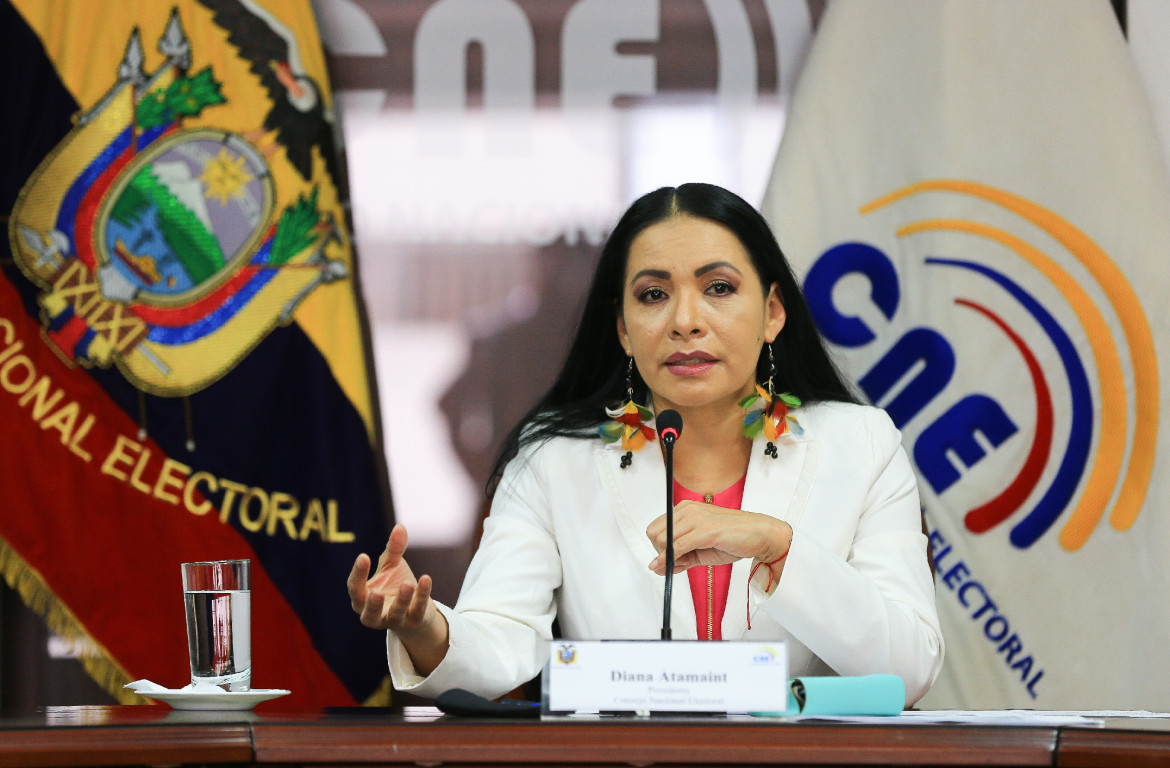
668,445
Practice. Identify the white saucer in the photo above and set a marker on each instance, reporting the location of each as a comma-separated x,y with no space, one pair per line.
224,700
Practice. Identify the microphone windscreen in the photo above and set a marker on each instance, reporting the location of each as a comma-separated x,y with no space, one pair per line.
669,419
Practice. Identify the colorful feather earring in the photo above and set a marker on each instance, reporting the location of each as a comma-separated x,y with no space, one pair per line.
768,412
632,424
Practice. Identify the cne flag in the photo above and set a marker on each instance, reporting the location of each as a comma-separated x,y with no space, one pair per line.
183,367
976,198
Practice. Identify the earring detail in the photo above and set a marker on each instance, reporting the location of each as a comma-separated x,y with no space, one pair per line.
632,423
768,412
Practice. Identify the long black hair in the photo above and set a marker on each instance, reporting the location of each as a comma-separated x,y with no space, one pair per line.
594,373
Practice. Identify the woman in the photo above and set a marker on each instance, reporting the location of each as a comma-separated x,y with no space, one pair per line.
793,522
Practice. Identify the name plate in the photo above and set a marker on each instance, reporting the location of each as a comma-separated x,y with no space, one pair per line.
666,676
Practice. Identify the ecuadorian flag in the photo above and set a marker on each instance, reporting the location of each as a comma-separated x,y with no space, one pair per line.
183,365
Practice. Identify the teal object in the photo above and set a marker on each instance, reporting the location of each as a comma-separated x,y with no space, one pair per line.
859,695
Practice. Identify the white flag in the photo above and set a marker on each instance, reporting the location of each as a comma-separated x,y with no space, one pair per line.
975,196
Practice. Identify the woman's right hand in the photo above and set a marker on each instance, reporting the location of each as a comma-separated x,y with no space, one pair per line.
393,599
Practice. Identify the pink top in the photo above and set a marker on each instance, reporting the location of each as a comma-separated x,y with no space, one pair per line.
709,583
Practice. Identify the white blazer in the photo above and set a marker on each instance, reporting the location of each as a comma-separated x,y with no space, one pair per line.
566,538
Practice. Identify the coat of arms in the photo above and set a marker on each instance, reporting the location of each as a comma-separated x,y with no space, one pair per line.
181,219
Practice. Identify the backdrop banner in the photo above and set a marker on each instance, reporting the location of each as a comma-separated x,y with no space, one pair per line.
183,372
976,198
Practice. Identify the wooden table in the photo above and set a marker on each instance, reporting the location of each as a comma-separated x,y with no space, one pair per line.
78,736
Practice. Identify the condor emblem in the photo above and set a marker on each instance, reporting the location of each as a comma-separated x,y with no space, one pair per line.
169,232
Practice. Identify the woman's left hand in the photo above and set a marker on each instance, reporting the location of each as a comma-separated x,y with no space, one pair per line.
705,534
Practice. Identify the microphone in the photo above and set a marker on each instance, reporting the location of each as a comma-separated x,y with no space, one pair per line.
670,425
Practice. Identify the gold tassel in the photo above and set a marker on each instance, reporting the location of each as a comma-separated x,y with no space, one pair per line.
27,582
380,697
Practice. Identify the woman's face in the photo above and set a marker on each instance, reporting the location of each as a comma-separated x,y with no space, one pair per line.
694,313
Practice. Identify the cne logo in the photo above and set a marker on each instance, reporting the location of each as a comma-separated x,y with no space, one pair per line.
1066,318
168,232
764,655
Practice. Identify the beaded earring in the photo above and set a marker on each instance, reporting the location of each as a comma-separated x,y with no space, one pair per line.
632,423
768,412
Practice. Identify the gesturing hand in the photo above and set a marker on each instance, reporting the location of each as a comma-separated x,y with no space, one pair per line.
392,598
705,534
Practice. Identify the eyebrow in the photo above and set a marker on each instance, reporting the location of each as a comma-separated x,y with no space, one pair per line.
716,265
662,274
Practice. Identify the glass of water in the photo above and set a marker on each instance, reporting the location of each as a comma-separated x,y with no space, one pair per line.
218,598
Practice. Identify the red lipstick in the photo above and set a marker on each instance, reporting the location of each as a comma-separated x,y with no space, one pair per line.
690,363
